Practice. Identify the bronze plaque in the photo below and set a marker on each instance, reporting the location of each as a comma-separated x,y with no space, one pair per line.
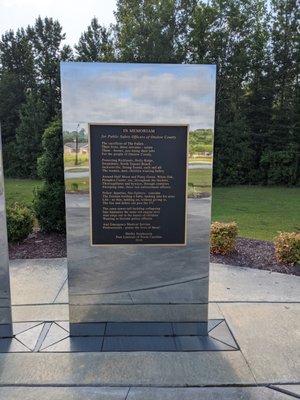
138,184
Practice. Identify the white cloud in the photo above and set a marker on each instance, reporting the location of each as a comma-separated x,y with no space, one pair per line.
138,94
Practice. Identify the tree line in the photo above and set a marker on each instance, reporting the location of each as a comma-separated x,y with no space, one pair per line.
254,43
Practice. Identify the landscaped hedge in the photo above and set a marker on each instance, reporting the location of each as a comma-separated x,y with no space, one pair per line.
49,207
19,222
287,247
49,200
222,237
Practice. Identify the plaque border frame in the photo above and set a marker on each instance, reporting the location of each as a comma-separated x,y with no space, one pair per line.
187,126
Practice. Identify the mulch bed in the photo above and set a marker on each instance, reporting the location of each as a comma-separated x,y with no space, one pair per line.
40,245
255,254
249,252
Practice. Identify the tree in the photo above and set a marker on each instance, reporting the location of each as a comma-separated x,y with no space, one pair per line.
29,135
200,141
46,37
152,30
17,58
254,44
49,201
16,77
259,89
95,44
226,45
282,150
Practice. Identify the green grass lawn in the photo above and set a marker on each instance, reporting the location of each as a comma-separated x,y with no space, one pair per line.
205,159
260,212
200,179
69,160
20,190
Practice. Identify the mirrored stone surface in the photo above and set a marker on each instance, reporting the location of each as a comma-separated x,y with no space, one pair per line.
136,282
5,310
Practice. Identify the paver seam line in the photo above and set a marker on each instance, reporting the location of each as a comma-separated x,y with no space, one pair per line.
105,304
59,290
42,336
149,304
254,302
232,335
95,385
23,344
52,344
127,394
16,337
215,319
27,329
57,324
102,344
134,322
142,289
246,361
220,311
131,298
136,304
231,349
221,341
224,320
173,335
38,305
172,329
39,322
41,349
280,390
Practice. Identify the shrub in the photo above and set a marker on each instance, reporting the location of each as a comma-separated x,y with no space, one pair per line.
74,187
19,222
49,200
49,207
50,165
287,247
222,237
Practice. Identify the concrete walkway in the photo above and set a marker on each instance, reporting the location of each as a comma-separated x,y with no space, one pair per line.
261,309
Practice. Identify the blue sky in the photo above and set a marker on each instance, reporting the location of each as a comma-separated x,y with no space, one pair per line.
138,93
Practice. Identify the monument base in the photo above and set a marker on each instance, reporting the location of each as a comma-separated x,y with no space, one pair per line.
54,337
6,331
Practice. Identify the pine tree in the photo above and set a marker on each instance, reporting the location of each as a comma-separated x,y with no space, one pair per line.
46,37
17,75
29,135
95,44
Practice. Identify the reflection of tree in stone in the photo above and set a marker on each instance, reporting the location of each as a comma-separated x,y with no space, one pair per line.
75,147
71,136
200,141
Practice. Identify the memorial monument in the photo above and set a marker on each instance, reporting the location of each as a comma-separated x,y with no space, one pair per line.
137,245
5,300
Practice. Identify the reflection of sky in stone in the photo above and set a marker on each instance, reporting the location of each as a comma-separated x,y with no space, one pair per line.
138,93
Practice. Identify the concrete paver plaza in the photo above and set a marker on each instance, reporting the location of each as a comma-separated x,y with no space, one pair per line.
260,308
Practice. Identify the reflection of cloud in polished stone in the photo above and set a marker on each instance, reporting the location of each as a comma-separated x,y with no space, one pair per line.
138,93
